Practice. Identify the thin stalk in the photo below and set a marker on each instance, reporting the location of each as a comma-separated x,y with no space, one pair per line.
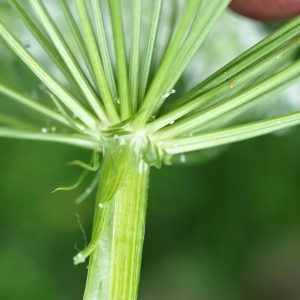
135,54
121,65
94,55
103,47
78,140
173,65
6,119
184,25
71,122
180,24
48,79
268,86
256,69
246,59
151,39
33,104
65,52
119,250
279,37
49,48
78,37
230,135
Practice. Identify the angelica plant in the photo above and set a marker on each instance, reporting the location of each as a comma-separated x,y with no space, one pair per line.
121,106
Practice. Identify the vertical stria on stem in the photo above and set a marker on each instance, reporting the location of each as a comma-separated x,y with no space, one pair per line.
114,267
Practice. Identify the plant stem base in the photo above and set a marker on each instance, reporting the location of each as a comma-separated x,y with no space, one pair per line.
114,266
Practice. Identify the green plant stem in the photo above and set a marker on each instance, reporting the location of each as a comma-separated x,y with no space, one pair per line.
121,64
114,267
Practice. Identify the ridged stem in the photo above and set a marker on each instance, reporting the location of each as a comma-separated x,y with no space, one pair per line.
114,267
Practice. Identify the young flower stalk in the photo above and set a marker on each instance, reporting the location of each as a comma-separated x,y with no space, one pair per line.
123,116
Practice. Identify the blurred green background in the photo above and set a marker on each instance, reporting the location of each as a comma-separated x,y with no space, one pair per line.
225,229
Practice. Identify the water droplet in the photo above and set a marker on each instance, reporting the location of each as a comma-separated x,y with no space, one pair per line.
44,130
102,205
182,158
171,121
168,94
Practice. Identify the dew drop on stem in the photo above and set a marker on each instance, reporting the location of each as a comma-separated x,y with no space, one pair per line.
168,94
